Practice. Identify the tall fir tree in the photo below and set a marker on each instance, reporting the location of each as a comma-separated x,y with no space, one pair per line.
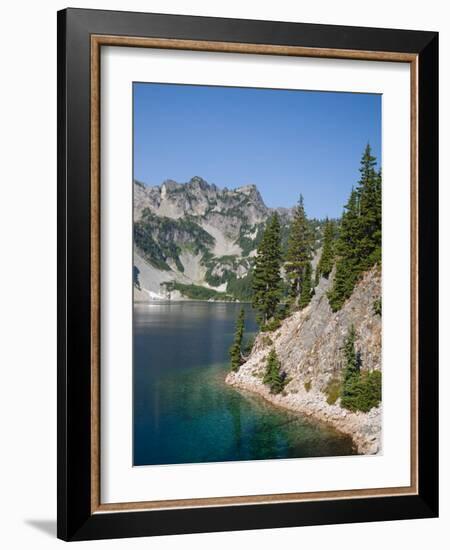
351,369
347,249
326,262
359,244
307,288
369,211
299,250
273,376
376,253
266,282
350,355
235,350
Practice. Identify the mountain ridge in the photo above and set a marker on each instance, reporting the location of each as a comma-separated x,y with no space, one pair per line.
196,233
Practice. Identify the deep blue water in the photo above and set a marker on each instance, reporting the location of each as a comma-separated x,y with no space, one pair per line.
183,410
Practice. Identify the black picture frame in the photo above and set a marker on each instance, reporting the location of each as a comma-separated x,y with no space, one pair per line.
75,518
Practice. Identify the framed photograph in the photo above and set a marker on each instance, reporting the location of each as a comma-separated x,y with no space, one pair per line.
247,258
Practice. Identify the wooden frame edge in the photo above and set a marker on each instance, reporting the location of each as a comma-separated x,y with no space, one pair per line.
237,47
253,499
261,49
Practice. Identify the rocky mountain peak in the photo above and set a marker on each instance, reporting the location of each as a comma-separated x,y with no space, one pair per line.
197,197
168,186
199,183
252,192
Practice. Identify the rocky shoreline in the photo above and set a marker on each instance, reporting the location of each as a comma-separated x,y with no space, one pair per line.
309,347
363,428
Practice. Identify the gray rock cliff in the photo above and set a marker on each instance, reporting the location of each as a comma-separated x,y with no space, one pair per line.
309,347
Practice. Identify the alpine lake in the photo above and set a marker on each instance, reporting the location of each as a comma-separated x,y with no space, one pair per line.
184,412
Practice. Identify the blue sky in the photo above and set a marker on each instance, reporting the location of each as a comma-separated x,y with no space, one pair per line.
286,142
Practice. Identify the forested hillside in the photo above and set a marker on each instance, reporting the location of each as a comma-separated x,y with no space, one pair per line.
319,346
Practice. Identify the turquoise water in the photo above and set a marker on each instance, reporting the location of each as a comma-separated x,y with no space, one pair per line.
183,410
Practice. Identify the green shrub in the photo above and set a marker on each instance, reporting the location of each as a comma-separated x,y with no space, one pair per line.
360,390
271,325
266,340
377,307
363,392
333,390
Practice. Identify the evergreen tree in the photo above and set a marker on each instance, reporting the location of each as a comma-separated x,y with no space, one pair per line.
376,254
347,249
266,281
273,377
351,370
235,350
361,390
351,358
299,250
369,249
326,261
359,244
306,294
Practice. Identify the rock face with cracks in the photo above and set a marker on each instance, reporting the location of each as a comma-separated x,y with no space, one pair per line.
309,346
198,234
195,234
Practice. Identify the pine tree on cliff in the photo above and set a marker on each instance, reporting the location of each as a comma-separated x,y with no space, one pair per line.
299,250
235,350
347,265
351,359
266,282
359,243
273,377
306,294
326,261
369,212
351,370
361,390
